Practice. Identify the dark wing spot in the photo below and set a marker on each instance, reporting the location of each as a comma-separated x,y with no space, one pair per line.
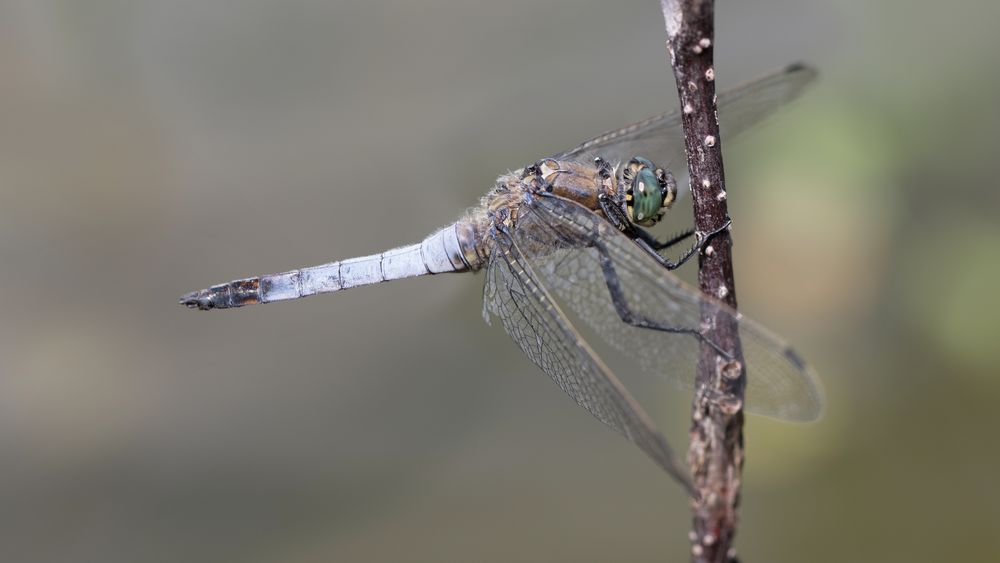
795,359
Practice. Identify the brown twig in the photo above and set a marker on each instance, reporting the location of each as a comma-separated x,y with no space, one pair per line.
716,451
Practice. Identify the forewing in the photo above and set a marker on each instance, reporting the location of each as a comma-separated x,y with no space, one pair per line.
779,383
547,337
747,105
660,139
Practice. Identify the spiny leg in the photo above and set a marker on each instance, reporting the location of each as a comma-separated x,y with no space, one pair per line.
657,245
618,218
614,213
648,242
604,168
634,318
702,239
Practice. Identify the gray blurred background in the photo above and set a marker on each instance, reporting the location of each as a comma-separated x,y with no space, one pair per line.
151,148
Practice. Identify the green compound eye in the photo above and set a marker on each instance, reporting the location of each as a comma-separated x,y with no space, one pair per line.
649,191
647,198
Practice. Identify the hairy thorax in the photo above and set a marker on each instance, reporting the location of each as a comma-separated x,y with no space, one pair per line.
582,183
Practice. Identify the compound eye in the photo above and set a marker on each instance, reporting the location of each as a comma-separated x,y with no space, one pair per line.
638,163
647,198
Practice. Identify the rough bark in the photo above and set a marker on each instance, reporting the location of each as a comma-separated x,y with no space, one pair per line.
716,450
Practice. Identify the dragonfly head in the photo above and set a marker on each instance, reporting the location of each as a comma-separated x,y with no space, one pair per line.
649,191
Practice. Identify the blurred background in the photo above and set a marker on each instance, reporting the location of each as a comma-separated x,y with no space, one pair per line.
152,148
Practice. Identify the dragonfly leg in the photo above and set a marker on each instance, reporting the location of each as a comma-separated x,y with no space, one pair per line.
627,315
604,168
616,216
702,239
614,213
657,245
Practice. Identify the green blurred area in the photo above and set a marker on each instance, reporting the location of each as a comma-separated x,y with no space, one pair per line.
150,148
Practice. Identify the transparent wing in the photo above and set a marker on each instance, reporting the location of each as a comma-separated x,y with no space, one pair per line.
564,244
660,139
548,338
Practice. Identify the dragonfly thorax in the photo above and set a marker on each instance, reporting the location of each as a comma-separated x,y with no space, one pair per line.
576,181
649,191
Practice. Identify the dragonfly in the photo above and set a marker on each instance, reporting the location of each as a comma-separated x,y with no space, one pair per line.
564,245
